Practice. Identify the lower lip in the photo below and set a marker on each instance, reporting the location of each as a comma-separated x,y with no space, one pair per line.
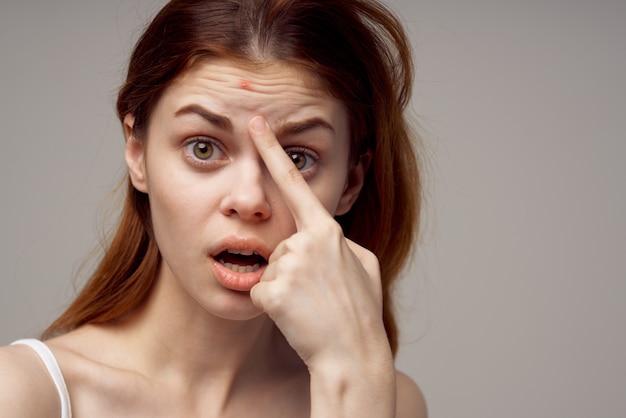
241,282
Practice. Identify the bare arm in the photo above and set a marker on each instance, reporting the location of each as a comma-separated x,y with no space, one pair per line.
367,391
324,292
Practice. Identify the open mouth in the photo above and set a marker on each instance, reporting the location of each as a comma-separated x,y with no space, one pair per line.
241,261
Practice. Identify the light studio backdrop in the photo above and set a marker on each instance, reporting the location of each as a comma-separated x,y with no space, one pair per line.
515,305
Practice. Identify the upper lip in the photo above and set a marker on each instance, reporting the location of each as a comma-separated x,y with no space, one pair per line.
245,245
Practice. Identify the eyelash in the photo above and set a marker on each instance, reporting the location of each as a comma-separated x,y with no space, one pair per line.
188,148
310,155
308,170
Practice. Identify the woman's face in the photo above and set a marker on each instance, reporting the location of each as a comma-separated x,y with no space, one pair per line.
216,212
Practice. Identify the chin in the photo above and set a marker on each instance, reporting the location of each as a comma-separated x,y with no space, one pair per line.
236,306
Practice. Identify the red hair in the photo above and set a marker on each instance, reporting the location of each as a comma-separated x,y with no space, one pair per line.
360,52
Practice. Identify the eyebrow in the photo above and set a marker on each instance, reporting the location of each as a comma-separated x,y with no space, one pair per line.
286,129
213,118
293,128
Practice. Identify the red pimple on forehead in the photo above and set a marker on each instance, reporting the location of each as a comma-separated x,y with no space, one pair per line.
244,84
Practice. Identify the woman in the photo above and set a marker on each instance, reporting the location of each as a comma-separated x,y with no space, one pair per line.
273,198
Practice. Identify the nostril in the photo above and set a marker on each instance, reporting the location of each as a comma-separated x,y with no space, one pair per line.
257,211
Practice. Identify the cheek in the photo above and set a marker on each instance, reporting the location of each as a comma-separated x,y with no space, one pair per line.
330,186
176,207
329,193
168,220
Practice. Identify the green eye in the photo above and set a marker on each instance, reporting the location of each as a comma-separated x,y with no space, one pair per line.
299,159
303,158
203,150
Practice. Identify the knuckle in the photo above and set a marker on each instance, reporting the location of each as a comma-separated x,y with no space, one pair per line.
289,267
371,259
330,228
276,300
372,266
292,176
370,262
334,229
257,295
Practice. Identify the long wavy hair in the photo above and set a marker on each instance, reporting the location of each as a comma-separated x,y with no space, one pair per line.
356,47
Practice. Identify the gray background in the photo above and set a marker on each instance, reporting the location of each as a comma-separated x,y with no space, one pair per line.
515,305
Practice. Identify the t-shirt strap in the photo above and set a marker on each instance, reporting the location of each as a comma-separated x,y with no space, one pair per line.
48,359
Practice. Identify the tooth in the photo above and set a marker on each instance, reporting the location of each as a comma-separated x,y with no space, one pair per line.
241,269
241,252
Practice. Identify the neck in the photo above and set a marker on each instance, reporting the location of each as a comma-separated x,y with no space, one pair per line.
174,338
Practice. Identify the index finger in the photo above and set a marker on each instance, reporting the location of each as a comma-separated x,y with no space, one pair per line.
295,190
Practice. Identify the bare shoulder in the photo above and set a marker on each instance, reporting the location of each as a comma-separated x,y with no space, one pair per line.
410,401
27,389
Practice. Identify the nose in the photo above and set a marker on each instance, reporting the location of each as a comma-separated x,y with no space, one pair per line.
247,195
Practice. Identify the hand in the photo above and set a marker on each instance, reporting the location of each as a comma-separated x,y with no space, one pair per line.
322,290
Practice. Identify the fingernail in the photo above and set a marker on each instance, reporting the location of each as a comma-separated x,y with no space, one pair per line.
258,124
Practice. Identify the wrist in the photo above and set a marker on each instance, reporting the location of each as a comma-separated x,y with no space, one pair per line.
354,386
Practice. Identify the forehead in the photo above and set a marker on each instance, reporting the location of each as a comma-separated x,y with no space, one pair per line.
231,94
250,85
221,69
